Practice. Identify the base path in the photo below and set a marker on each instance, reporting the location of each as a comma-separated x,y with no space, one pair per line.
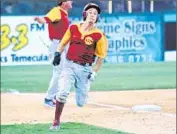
106,109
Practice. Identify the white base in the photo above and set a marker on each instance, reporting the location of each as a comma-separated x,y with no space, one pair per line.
146,108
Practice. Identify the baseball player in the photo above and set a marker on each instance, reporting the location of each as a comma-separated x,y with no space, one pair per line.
87,43
58,23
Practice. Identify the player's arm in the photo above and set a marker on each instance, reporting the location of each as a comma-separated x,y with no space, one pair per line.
66,38
98,64
52,16
40,20
101,52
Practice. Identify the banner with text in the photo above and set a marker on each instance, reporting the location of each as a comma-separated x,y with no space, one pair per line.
23,41
132,38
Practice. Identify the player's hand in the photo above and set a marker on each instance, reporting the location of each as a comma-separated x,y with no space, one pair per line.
92,76
40,20
36,18
57,59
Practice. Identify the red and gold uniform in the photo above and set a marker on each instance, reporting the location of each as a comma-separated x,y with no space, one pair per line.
58,23
84,46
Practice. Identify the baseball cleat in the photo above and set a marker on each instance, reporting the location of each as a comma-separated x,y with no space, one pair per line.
55,126
49,103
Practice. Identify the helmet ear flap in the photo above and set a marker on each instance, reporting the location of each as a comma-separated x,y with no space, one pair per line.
98,17
84,15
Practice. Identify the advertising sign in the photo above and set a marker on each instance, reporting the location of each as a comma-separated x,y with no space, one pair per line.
132,38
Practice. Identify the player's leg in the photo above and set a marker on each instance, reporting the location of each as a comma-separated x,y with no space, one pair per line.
82,86
65,82
53,85
52,89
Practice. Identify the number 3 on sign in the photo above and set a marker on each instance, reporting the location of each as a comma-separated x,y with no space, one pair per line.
19,42
5,41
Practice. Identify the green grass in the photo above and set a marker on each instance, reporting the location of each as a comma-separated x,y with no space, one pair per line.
66,128
133,76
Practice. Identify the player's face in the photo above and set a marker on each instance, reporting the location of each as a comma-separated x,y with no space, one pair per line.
92,14
68,4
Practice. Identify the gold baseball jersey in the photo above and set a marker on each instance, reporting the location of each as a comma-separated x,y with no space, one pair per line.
58,22
84,46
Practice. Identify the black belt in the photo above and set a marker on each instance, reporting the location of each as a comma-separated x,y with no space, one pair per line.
82,64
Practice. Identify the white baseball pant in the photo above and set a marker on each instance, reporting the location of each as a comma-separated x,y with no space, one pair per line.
53,85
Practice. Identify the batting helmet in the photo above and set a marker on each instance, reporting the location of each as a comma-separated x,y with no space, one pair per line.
59,3
88,6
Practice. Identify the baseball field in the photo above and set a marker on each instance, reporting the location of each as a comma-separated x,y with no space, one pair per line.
118,88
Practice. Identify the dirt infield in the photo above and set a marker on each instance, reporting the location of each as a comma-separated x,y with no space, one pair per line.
29,108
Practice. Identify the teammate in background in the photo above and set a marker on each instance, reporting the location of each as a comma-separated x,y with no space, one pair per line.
86,44
58,23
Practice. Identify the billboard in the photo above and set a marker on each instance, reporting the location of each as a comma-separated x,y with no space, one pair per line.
132,38
23,41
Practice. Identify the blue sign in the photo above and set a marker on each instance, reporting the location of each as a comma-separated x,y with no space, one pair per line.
170,17
133,37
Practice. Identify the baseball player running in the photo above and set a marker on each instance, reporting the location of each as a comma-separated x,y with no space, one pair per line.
58,23
86,43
